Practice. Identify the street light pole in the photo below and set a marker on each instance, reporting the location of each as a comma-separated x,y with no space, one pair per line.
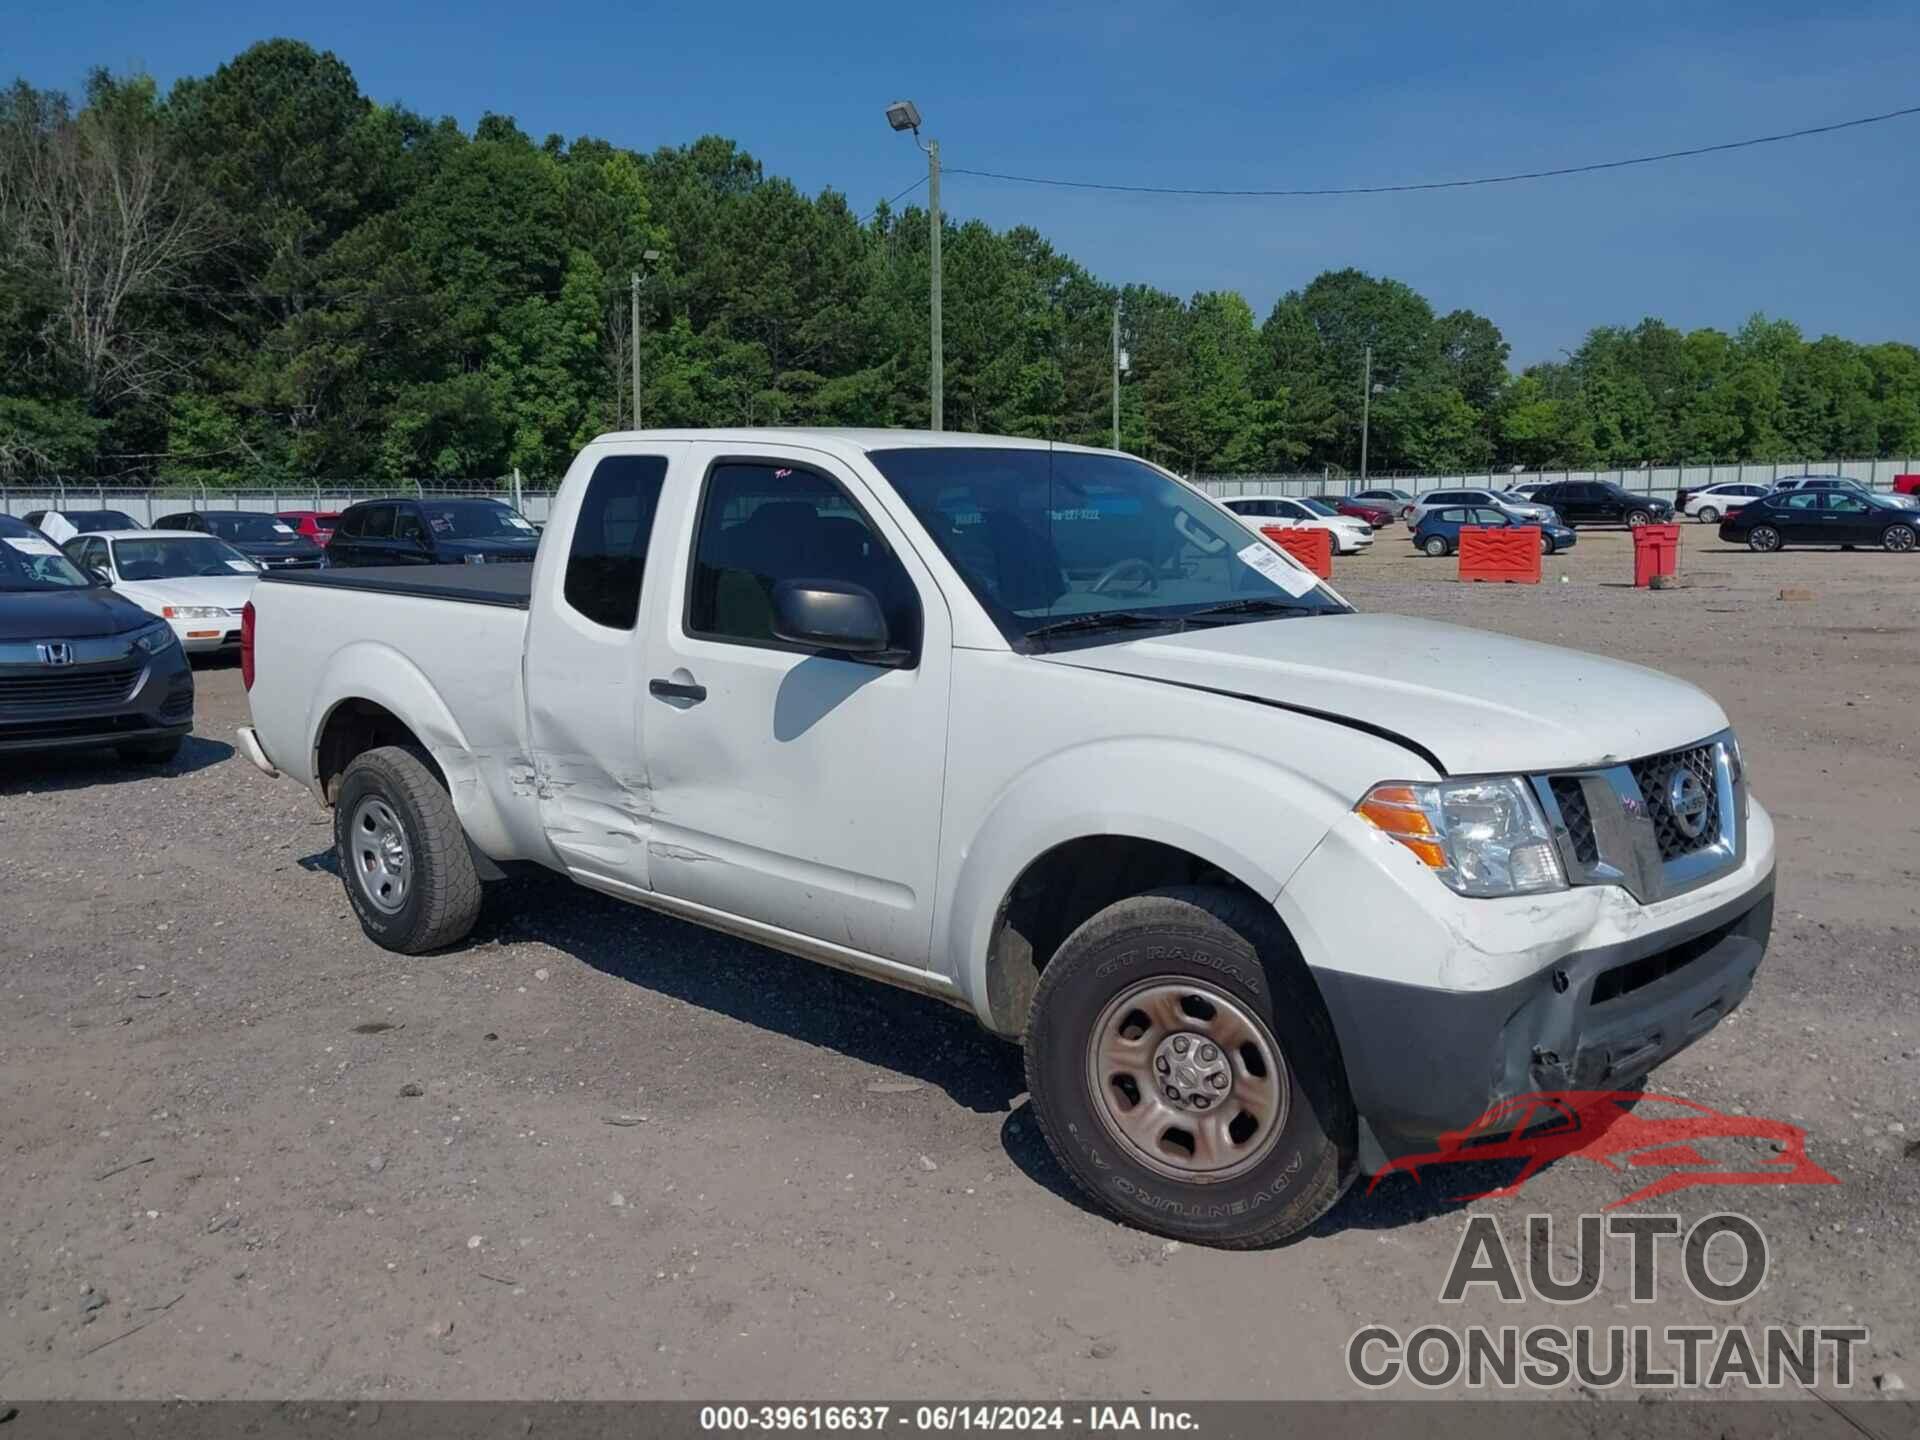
1366,415
1116,373
649,256
905,115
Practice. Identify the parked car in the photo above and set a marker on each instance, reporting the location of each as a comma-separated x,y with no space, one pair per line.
1822,517
1043,732
316,525
81,666
1842,483
266,538
1521,512
1350,536
431,532
1906,485
1708,505
1438,532
61,526
1601,502
1529,491
197,584
1387,498
1375,513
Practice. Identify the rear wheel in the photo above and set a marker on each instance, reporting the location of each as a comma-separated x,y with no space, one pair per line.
1184,1071
1709,515
1763,538
403,854
1898,538
1435,545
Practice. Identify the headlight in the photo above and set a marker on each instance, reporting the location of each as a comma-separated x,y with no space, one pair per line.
193,612
155,638
1482,837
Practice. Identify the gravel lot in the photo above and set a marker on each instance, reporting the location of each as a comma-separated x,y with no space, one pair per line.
598,1153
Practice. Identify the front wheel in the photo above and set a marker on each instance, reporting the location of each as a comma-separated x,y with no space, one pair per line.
1763,538
1184,1072
1435,546
403,854
1546,544
1637,518
1898,538
1709,515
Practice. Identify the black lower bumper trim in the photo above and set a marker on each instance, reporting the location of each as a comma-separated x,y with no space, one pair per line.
1423,1062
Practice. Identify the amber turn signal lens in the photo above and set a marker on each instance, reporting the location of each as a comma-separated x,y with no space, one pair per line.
1396,811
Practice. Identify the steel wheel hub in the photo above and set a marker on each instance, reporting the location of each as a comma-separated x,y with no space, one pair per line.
1187,1079
382,863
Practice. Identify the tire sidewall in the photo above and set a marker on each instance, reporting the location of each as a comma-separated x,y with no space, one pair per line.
1756,540
1305,1159
1708,515
372,775
1886,539
1434,546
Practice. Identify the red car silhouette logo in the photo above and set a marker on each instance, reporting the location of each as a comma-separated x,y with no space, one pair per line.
1625,1131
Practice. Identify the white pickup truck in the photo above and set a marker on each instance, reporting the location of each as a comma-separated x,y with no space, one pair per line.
1272,892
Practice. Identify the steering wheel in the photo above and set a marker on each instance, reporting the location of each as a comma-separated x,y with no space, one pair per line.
1120,567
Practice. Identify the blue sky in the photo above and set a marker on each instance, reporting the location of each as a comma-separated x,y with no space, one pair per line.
1823,231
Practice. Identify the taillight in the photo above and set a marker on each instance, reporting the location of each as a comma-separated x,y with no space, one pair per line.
246,646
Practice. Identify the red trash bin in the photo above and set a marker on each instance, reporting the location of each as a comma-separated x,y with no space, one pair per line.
1656,551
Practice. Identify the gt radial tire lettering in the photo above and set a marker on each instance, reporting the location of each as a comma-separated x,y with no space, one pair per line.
1217,1209
1157,953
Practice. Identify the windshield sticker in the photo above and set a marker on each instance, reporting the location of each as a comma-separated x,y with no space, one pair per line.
245,567
1279,569
282,529
28,545
519,524
441,523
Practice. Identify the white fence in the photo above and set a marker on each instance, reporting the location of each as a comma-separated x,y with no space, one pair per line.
146,506
1652,480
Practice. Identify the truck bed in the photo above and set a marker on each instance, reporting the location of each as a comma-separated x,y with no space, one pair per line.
509,586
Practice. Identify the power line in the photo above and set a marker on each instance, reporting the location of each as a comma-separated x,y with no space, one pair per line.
887,203
1446,184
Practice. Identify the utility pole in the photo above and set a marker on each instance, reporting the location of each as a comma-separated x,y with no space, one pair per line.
634,334
1366,414
938,380
905,115
1116,372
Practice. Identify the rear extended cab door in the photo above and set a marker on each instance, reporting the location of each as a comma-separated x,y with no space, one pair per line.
791,786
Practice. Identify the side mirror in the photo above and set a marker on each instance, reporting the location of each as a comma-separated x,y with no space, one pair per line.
829,615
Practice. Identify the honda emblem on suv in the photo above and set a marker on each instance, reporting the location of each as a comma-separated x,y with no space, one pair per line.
55,652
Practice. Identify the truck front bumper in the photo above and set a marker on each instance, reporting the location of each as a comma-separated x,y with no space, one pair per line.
1445,1009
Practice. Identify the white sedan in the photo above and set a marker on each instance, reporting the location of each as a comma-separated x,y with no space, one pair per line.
1350,534
1713,504
197,584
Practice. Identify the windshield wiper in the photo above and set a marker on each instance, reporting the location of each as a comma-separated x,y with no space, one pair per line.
1104,620
1254,605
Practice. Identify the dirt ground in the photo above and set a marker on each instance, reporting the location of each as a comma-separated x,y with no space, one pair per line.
599,1153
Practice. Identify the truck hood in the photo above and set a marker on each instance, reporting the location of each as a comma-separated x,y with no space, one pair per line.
1477,701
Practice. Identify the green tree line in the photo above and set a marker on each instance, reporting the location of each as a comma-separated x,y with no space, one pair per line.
262,274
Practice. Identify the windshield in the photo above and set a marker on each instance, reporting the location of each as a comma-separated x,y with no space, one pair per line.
35,563
179,559
1319,507
1042,534
100,520
1512,497
475,520
253,529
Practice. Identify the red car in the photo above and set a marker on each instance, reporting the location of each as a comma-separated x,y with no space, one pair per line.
1906,484
316,525
1625,1130
1373,512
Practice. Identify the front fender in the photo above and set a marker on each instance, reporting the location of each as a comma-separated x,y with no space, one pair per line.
1253,819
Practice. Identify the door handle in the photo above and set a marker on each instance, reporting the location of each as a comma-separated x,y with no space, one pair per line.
673,690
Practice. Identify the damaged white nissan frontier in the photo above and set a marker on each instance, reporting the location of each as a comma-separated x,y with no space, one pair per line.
1271,891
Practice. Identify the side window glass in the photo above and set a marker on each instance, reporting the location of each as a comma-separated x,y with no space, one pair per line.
609,554
761,523
377,523
406,526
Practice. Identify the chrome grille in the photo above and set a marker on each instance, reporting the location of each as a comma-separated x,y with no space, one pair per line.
1655,779
1572,798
